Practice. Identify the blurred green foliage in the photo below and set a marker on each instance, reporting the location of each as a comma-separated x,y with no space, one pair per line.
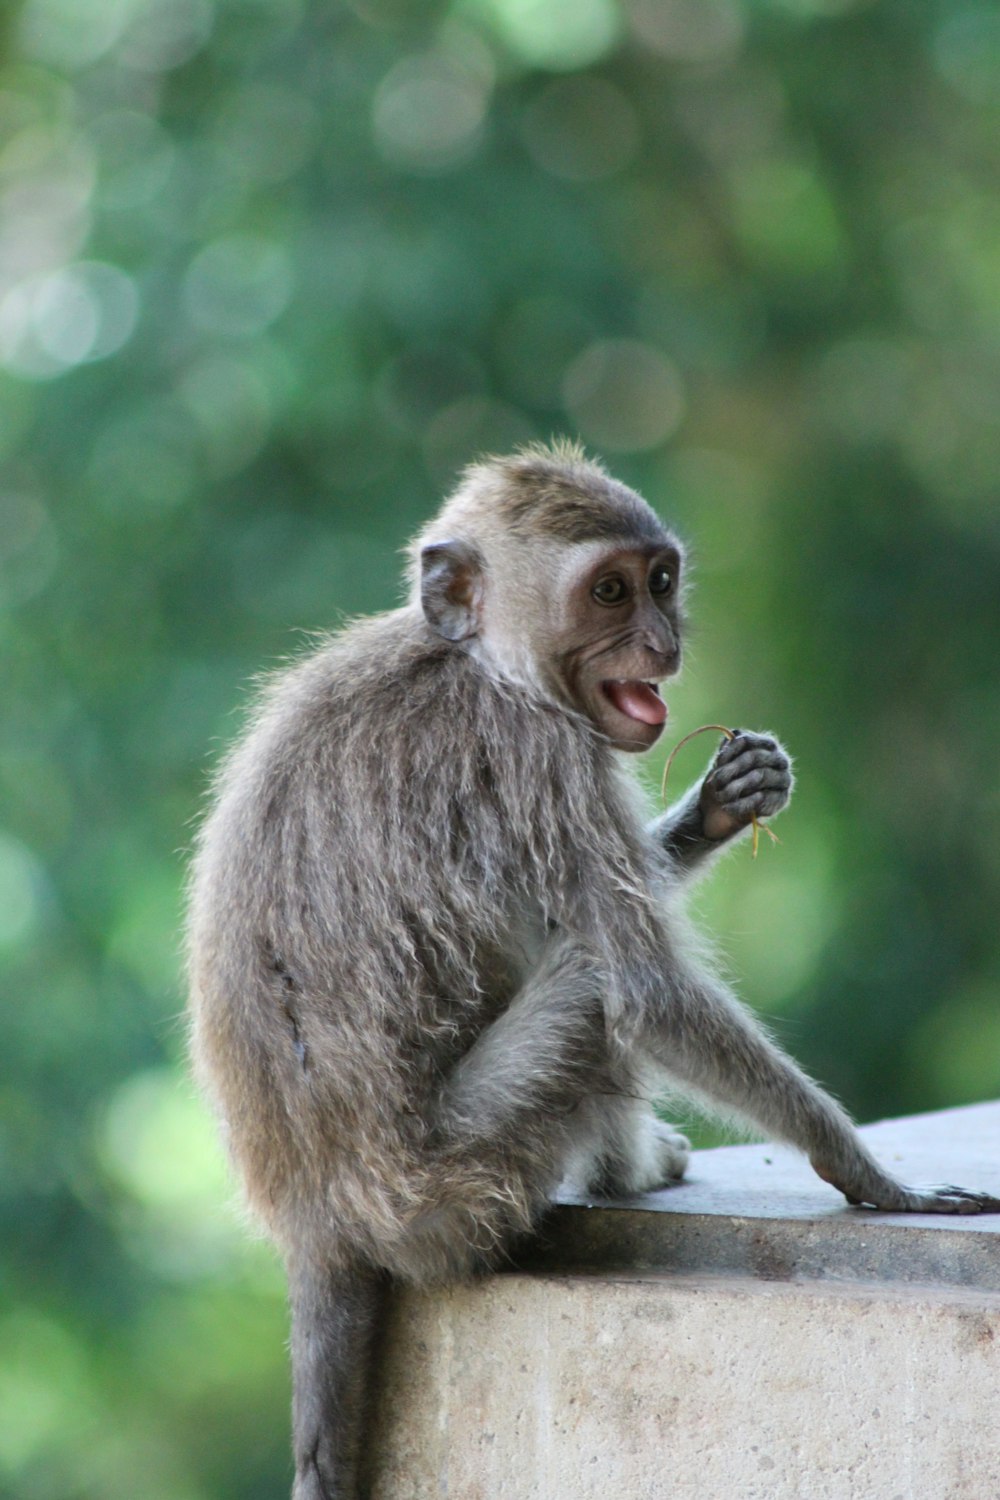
270,272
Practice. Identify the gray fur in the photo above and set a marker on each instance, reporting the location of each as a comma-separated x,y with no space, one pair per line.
557,492
437,961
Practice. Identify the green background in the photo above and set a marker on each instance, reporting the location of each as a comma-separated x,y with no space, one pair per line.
270,273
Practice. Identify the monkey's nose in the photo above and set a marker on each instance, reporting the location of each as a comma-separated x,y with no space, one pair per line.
668,659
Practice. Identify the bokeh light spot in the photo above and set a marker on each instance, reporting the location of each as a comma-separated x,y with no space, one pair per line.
787,219
52,322
29,548
135,157
45,1393
558,34
163,34
141,938
156,1142
624,395
47,176
158,1147
266,133
232,406
72,34
955,1049
864,388
581,129
469,427
536,340
428,112
967,52
144,461
21,888
785,919
425,378
689,31
237,285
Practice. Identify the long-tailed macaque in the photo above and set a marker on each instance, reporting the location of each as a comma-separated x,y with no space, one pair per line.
438,959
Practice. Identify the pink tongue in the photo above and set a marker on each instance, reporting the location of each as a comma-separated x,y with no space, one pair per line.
637,700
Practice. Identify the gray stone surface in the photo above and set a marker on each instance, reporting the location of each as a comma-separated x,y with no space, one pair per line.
761,1211
745,1337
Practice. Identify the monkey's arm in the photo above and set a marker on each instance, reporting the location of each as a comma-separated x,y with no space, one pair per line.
703,1036
751,776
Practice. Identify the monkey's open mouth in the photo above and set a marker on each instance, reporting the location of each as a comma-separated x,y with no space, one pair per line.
636,699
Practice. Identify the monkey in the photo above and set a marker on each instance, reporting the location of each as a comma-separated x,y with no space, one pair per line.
439,962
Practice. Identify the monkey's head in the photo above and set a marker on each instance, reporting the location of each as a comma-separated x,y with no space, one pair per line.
561,579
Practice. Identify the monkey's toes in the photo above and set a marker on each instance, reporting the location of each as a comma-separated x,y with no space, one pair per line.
672,1151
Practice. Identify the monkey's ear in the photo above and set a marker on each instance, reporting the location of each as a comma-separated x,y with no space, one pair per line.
451,587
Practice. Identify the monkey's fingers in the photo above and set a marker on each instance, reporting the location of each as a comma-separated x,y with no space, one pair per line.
757,767
744,741
730,785
956,1200
761,804
944,1198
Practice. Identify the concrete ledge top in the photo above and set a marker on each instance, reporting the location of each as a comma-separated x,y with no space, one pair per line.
761,1211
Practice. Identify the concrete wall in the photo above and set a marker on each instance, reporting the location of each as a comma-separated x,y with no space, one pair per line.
676,1347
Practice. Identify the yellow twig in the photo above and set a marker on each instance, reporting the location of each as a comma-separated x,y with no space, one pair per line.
719,729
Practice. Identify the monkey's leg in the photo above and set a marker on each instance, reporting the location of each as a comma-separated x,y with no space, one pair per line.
701,1034
335,1325
539,1088
503,1120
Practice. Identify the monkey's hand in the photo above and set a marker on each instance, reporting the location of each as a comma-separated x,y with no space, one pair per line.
942,1199
751,777
883,1192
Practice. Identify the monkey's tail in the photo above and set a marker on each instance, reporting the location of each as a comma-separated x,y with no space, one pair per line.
336,1331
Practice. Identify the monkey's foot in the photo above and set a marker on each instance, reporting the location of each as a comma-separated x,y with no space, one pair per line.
939,1199
660,1157
673,1150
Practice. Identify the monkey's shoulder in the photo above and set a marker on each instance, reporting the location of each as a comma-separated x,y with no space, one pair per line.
397,754
386,688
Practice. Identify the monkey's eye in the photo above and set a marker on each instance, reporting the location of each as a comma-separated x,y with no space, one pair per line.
660,582
611,590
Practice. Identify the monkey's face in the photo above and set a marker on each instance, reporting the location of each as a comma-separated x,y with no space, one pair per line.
622,638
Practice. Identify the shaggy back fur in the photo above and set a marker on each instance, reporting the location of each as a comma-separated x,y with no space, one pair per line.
393,813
